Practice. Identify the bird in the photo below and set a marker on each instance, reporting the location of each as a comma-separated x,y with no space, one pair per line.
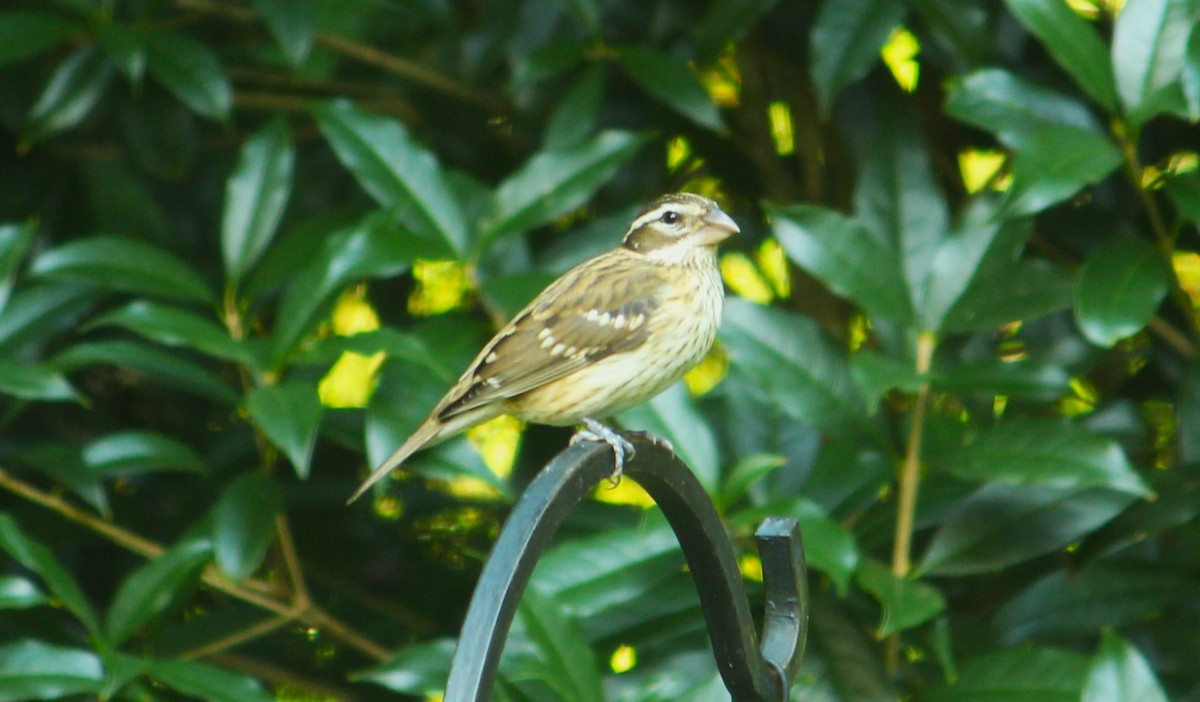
607,335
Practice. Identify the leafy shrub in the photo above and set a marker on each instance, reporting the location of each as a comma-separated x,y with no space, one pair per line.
249,244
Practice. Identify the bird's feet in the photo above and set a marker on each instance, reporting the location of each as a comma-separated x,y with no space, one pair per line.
622,449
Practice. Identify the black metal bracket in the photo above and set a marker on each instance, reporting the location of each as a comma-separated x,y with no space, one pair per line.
752,671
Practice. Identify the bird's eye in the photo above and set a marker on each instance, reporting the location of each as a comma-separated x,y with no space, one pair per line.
670,217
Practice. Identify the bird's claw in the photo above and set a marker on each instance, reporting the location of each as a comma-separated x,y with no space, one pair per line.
622,449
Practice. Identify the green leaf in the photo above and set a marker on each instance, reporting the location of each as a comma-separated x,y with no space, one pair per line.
746,473
671,80
1012,107
845,42
1064,604
370,248
72,91
117,263
1025,290
255,197
1149,48
1026,674
674,416
1000,525
905,602
803,373
292,23
420,670
1120,673
854,668
555,182
26,34
1030,451
34,670
150,591
876,374
575,116
995,377
977,239
828,546
393,168
15,240
34,382
244,523
207,683
37,312
173,326
727,22
42,562
1184,189
846,256
1119,289
565,661
125,48
164,366
898,199
1191,76
133,452
1054,163
64,464
1073,43
18,593
289,414
191,71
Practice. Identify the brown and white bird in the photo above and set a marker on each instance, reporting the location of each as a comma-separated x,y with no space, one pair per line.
609,334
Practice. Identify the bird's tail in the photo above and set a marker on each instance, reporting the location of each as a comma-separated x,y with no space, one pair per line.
432,431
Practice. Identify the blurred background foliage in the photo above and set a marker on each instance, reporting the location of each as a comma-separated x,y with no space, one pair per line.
246,246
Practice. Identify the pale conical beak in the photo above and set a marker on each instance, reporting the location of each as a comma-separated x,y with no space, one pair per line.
718,227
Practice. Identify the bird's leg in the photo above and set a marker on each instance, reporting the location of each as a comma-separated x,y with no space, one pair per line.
598,431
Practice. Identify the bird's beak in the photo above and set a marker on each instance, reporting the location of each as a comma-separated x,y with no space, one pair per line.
718,227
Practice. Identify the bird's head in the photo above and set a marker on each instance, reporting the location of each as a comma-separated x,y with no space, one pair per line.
673,227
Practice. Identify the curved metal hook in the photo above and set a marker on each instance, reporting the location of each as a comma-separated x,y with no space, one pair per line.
752,673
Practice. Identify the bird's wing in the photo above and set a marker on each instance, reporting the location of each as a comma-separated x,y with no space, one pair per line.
565,328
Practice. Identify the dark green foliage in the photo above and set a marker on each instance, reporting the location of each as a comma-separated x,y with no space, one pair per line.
1001,366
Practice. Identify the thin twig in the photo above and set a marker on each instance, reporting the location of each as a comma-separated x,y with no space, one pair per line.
291,561
236,639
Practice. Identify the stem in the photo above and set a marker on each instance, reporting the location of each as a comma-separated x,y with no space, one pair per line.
910,480
251,591
250,633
